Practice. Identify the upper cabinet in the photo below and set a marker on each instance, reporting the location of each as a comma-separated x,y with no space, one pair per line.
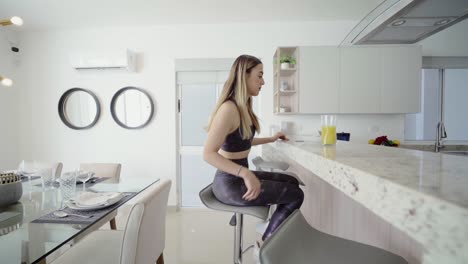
401,80
360,80
354,79
319,79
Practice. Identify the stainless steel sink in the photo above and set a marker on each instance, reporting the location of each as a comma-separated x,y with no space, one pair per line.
455,152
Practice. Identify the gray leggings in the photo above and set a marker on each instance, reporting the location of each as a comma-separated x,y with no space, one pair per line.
276,188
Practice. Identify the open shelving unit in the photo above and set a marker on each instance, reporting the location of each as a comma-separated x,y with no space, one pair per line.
285,82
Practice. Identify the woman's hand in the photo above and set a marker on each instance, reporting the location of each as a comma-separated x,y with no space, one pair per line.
279,135
252,183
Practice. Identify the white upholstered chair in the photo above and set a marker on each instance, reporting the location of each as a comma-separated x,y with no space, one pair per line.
105,170
108,170
142,241
57,166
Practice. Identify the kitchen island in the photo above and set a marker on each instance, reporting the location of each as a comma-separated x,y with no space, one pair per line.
410,202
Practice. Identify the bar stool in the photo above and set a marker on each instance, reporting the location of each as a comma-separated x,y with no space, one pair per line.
209,200
295,241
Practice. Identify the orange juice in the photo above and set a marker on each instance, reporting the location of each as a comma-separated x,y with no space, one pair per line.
329,152
328,135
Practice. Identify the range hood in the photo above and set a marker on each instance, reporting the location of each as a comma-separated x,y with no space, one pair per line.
406,21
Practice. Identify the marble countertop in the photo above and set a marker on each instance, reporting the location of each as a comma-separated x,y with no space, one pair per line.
424,194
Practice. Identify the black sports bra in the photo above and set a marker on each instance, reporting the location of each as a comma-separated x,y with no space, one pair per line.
235,143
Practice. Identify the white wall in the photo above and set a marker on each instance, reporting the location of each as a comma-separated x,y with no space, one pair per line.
9,137
46,73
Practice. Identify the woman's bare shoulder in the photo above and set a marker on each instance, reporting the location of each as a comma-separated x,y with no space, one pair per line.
229,108
228,114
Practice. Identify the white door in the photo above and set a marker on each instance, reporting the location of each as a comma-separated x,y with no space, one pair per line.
198,93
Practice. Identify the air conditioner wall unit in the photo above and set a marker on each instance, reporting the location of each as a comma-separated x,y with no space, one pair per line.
123,59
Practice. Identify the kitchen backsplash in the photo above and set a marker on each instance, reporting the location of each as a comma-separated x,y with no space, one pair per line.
361,127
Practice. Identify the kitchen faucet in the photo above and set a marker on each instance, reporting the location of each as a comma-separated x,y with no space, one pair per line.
440,134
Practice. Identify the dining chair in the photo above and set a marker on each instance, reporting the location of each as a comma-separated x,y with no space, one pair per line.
57,166
105,170
141,242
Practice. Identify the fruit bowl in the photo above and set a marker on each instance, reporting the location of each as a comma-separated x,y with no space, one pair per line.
383,140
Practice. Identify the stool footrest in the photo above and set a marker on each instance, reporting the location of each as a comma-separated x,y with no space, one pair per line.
247,249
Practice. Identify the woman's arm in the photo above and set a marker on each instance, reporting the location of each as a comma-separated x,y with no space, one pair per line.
279,135
227,119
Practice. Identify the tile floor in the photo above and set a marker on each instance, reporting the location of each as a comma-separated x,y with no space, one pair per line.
201,236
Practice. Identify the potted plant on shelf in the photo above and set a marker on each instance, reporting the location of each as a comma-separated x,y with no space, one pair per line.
287,62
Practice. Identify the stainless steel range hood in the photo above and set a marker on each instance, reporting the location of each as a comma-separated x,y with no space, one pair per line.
406,21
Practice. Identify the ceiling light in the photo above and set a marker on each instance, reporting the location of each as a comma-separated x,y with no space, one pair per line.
6,81
442,22
398,23
12,21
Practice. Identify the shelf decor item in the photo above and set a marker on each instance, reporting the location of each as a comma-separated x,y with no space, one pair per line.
10,188
287,62
284,85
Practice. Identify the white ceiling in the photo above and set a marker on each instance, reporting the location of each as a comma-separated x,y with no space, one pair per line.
54,14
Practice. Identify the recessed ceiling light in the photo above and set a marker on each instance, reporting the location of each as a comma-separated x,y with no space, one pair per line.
442,22
6,81
12,21
398,23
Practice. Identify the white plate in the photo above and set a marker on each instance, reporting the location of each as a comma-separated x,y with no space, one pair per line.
73,206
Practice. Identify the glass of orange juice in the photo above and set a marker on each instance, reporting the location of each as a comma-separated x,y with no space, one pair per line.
328,129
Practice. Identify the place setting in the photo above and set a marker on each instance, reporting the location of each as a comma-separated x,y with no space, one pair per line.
85,208
82,207
83,178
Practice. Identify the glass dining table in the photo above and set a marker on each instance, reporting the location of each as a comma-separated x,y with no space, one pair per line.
23,240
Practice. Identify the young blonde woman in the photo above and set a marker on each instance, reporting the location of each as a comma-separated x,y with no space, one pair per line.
231,132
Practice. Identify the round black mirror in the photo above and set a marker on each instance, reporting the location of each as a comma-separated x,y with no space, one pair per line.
79,108
132,107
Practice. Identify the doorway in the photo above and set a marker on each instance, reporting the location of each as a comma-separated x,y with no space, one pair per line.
199,83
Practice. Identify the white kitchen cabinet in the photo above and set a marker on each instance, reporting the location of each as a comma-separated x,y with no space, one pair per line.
350,80
401,79
319,79
360,80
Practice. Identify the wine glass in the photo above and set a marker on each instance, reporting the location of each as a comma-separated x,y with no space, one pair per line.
83,177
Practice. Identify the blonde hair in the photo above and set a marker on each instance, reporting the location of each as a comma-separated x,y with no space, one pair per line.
235,89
